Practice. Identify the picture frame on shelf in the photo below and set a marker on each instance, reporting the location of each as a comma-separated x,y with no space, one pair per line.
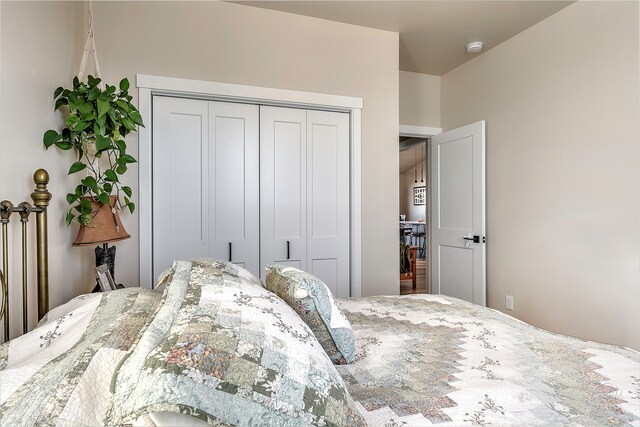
419,196
105,280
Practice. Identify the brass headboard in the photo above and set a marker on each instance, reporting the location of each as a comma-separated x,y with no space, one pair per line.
41,198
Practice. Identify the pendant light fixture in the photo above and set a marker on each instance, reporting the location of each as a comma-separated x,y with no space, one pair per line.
415,166
422,164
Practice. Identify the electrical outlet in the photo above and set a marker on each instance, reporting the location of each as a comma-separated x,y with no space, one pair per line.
509,302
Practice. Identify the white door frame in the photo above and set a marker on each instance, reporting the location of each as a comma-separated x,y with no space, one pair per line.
424,132
155,85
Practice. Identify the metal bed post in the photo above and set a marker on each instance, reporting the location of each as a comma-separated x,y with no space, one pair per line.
41,198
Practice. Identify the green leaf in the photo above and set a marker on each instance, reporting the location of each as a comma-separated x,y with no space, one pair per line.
102,143
121,169
97,129
69,217
122,146
64,145
76,167
84,219
79,191
93,82
91,183
104,198
111,175
72,120
136,117
131,206
81,126
101,121
85,108
124,84
85,204
103,107
127,190
124,105
51,137
71,197
60,102
107,187
127,158
74,101
128,123
93,94
76,81
110,90
58,92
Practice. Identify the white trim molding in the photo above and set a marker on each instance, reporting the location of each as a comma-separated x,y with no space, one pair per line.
148,86
418,131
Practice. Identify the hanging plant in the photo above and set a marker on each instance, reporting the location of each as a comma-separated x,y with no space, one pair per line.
97,124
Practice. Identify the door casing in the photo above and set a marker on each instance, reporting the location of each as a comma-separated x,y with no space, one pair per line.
423,132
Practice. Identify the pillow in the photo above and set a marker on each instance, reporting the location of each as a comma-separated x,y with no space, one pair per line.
213,265
313,302
223,349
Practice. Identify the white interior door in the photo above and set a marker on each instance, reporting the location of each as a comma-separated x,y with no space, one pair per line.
328,199
458,262
205,182
283,186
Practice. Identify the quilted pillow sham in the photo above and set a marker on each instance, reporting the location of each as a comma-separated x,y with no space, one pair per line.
313,302
225,350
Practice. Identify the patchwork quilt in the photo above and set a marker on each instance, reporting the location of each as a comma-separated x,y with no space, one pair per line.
219,347
426,359
216,346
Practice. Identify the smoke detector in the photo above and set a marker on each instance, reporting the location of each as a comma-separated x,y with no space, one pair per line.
474,47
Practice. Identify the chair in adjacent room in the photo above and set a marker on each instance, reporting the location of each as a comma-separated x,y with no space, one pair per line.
408,263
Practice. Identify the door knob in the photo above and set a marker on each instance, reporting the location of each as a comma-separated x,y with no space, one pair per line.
475,239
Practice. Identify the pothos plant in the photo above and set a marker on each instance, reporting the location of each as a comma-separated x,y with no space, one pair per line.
97,124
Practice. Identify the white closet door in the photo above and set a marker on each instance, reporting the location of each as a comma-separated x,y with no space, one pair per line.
180,190
205,182
283,186
234,192
328,199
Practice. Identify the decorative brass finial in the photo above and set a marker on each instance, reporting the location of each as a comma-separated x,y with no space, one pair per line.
6,209
41,195
25,212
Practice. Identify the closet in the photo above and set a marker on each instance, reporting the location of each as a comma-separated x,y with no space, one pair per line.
256,185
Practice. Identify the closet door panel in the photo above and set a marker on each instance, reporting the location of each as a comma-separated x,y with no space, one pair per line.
283,183
180,190
328,199
287,187
205,182
234,184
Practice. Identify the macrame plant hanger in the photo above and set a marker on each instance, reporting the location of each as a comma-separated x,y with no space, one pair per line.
105,254
90,47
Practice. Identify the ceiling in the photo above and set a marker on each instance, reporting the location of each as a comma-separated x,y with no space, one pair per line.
433,34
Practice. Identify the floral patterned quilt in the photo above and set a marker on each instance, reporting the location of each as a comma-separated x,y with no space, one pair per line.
426,359
216,346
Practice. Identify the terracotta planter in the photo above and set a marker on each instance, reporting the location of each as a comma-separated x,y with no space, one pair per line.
105,225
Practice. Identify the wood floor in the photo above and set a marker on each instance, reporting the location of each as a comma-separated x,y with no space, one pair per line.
406,286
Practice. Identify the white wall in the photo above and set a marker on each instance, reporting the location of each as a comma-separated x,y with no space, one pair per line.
419,99
39,45
407,183
563,177
214,41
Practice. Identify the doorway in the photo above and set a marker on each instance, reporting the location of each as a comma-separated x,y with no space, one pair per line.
414,214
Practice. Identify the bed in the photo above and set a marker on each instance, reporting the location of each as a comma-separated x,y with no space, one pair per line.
216,347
